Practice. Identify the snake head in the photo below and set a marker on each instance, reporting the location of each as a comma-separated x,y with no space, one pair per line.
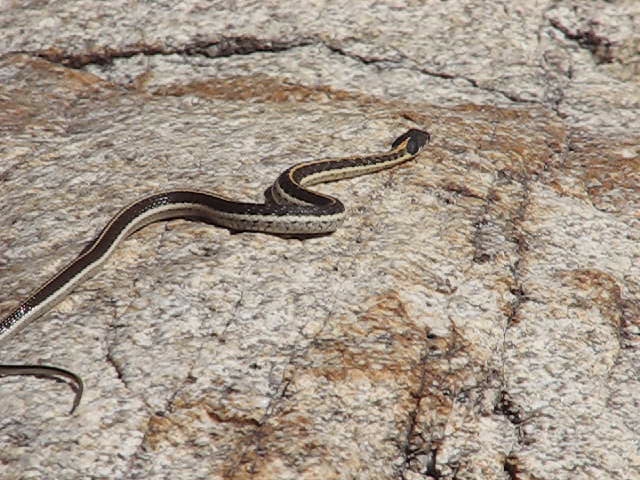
416,140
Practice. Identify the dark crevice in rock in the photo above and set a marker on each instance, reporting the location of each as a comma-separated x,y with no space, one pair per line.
629,336
511,467
521,247
516,415
507,407
508,95
599,46
519,294
244,45
517,289
224,47
415,455
503,213
116,366
425,71
435,388
109,342
360,58
475,84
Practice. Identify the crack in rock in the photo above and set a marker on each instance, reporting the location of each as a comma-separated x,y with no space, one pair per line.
224,47
245,45
599,46
425,71
109,357
511,467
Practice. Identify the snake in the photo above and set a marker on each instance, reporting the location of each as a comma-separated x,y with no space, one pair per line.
290,209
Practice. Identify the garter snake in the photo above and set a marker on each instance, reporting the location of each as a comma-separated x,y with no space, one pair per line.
289,209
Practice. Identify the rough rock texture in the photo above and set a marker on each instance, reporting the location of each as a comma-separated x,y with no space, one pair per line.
477,316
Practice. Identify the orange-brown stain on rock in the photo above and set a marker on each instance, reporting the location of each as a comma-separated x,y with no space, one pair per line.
187,419
383,344
604,172
67,78
45,108
257,88
598,289
382,347
595,288
274,448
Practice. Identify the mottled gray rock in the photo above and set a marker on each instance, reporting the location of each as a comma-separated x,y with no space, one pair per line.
477,316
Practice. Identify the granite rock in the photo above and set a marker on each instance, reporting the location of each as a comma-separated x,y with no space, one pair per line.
477,315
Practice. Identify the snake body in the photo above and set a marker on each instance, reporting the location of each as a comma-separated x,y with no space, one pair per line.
289,209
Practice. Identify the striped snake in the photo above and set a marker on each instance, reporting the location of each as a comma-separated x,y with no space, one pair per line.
289,209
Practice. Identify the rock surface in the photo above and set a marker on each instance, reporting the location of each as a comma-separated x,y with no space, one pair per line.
477,316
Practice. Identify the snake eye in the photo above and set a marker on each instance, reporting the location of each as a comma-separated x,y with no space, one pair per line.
413,146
